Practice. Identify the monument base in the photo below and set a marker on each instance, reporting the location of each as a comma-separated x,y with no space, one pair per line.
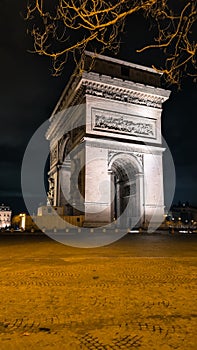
92,224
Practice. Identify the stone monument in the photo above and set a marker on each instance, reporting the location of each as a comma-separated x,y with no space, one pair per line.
106,146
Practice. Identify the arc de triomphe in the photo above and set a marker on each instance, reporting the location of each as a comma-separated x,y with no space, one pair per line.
105,142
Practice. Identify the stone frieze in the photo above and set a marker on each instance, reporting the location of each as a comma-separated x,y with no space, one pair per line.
123,125
123,95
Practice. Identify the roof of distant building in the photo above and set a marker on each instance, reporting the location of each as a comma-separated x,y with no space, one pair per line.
4,207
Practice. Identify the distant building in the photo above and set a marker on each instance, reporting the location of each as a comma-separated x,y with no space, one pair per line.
5,216
184,212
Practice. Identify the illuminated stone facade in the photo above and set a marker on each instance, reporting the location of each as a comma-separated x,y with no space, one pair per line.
5,216
106,154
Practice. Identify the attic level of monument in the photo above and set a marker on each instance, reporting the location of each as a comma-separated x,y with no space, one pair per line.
121,69
107,78
106,151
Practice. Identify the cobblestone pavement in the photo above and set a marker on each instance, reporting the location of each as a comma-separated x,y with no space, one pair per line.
138,293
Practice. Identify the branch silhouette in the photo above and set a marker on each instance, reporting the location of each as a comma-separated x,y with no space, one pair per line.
70,26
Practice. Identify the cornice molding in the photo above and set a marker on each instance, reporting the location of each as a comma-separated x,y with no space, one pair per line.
136,91
121,94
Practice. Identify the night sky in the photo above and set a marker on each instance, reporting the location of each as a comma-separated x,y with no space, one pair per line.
29,93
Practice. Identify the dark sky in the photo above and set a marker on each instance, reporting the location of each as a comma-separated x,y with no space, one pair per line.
28,94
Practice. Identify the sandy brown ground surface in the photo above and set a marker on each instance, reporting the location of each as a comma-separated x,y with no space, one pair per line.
138,293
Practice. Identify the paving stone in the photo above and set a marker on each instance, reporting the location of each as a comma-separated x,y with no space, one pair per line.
141,298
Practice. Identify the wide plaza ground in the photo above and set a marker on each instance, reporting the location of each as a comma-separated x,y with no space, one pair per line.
137,293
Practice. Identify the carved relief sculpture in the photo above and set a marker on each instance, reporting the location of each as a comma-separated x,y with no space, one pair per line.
123,125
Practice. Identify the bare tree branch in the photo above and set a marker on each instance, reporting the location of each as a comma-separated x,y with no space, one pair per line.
70,26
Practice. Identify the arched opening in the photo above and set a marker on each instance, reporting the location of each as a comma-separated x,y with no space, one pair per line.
127,190
71,178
